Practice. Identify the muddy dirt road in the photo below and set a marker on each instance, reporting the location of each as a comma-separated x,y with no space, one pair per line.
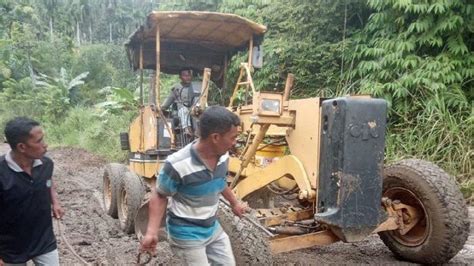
96,237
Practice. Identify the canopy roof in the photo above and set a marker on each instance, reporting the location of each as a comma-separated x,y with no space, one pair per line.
192,39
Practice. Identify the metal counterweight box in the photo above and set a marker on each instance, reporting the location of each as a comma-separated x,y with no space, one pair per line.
351,165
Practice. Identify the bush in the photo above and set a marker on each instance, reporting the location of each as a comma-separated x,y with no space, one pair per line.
84,128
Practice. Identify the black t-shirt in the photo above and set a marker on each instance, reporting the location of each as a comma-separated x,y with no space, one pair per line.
26,228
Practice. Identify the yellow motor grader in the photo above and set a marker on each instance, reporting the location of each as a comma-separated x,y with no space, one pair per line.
312,169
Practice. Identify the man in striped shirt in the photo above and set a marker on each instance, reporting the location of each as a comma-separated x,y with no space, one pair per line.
192,180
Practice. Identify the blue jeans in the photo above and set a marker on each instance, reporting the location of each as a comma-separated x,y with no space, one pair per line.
217,252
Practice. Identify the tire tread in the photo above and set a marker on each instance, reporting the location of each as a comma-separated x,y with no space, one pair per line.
452,209
249,244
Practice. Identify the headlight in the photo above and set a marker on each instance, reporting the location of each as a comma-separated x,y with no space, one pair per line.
270,105
267,104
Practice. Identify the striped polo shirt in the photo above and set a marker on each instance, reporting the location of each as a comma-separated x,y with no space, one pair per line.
194,192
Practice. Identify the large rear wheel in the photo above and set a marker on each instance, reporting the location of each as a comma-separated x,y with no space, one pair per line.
249,244
130,196
110,185
443,225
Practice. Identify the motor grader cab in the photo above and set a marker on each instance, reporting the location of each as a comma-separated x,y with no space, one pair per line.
312,169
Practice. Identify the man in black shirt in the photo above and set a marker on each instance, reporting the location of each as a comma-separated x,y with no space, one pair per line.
184,95
27,197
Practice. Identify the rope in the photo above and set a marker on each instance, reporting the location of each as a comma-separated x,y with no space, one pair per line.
63,238
147,259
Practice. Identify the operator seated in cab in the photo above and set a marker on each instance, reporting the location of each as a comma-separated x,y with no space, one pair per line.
182,97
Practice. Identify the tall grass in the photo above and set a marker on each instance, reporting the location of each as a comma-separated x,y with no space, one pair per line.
445,138
84,128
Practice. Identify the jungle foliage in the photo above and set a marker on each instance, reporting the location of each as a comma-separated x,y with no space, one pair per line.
63,62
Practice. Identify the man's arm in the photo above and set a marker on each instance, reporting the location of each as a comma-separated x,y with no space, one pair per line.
169,100
166,185
237,207
58,211
156,210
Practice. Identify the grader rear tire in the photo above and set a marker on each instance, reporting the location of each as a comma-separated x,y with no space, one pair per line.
444,227
130,196
249,244
110,185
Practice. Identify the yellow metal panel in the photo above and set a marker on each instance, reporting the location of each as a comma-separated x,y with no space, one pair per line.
145,169
234,166
143,131
150,129
304,139
135,133
273,217
245,114
282,121
289,243
286,166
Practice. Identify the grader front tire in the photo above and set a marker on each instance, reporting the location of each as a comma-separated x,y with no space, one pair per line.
130,196
444,227
249,244
110,185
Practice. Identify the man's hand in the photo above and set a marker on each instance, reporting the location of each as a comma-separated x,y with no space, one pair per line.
1,262
148,243
189,132
240,208
58,211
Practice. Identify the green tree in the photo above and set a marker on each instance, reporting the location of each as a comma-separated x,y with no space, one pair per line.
306,38
419,56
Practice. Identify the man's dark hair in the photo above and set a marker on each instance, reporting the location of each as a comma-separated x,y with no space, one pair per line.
181,70
217,119
18,130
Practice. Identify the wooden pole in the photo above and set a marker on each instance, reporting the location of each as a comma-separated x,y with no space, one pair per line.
224,85
141,73
249,78
250,52
236,88
288,86
157,74
157,88
201,105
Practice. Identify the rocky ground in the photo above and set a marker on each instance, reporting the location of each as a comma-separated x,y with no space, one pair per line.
96,237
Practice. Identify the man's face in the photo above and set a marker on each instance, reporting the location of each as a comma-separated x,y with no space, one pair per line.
225,142
35,146
186,76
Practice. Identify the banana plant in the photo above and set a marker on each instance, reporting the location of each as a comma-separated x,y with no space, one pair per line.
58,93
117,100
